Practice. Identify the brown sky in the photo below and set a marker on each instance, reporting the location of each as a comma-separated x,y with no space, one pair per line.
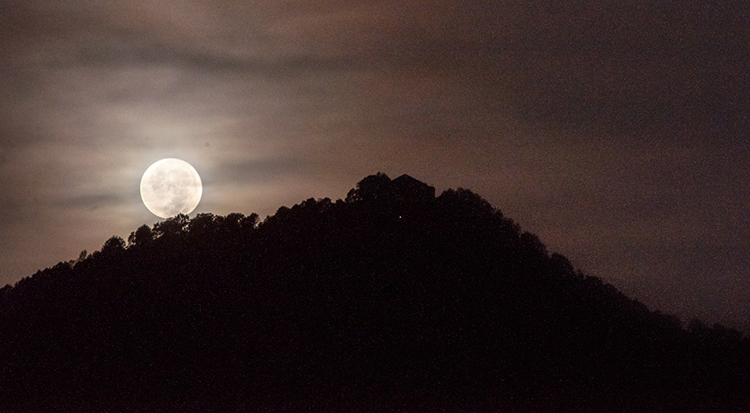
617,131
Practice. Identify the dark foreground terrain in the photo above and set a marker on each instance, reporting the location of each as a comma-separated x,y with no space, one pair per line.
391,300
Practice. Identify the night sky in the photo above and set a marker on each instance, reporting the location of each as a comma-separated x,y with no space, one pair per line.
616,130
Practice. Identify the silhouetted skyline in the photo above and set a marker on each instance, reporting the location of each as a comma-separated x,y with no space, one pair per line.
615,130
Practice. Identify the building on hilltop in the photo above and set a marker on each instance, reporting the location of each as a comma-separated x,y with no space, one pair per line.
407,189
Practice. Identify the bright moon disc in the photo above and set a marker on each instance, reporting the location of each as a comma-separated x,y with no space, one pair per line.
170,187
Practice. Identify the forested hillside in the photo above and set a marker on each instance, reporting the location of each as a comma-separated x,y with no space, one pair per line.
393,299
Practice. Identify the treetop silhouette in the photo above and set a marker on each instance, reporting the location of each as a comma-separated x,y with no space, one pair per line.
393,298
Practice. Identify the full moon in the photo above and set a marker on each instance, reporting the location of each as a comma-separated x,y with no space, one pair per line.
170,187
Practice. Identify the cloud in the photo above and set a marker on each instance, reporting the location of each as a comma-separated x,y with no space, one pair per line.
617,67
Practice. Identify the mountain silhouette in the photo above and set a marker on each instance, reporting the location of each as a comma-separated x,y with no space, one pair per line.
392,300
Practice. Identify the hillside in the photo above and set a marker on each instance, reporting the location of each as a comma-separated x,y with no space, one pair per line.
391,300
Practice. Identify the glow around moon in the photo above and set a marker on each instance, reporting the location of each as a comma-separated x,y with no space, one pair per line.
170,187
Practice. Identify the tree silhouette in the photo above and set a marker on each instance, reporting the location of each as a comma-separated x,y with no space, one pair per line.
113,246
393,299
371,188
141,237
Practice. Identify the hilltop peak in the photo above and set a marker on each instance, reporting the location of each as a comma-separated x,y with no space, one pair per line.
391,299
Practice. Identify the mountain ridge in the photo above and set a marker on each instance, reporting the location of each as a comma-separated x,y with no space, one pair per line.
392,299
